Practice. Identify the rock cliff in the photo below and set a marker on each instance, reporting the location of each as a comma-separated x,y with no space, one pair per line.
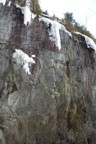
56,103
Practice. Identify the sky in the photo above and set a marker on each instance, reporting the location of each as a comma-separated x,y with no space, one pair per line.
84,11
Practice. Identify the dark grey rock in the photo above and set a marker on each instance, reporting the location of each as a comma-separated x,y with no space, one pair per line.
57,102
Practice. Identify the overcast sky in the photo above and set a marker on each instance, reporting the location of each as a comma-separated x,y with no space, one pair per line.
84,11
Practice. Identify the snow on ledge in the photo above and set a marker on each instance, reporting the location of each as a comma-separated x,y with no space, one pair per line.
33,15
27,15
22,59
90,43
9,3
3,1
55,30
18,6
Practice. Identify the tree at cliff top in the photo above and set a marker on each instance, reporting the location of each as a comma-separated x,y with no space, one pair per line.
71,25
36,6
68,21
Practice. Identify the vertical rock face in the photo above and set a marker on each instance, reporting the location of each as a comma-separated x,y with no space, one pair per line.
56,104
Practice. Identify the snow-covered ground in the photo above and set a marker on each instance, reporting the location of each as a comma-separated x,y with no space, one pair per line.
90,43
54,33
22,59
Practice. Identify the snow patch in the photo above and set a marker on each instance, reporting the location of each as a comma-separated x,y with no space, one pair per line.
3,1
9,3
28,3
33,15
55,30
90,43
33,56
23,60
26,12
27,15
18,6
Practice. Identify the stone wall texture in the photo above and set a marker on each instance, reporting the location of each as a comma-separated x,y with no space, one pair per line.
56,104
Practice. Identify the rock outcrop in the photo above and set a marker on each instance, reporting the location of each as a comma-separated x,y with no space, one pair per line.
56,103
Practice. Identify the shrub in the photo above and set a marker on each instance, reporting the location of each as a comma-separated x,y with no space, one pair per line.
71,25
21,2
36,7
